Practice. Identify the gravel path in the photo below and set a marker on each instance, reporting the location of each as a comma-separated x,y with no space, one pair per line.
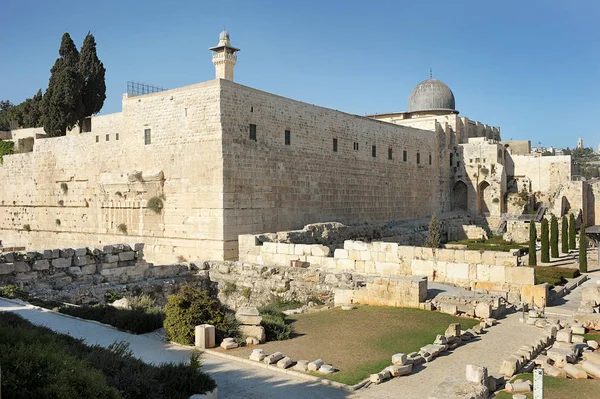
234,379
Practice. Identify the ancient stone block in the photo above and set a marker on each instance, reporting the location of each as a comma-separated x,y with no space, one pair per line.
475,373
574,372
591,368
81,260
453,330
448,308
273,358
319,250
257,355
127,255
7,268
483,310
88,269
459,389
399,370
41,265
285,362
564,336
74,270
509,367
301,365
315,365
257,332
81,251
22,267
61,282
326,369
61,263
399,359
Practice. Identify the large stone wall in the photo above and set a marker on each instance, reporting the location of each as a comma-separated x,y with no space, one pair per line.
479,270
271,186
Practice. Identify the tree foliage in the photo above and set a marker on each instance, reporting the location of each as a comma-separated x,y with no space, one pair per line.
93,91
582,250
564,236
532,242
572,235
554,237
545,242
6,148
63,106
434,236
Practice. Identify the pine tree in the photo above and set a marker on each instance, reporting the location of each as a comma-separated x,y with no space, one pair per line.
564,236
582,250
92,71
572,235
545,242
434,235
62,102
554,237
33,110
532,241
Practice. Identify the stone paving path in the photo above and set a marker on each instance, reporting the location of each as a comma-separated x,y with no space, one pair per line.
565,307
234,379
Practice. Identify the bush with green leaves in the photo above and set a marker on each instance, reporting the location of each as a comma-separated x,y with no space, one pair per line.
564,235
545,252
191,307
532,261
572,234
135,320
156,204
554,237
274,320
434,237
39,363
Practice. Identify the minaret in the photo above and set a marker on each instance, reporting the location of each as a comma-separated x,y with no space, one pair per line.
224,57
580,142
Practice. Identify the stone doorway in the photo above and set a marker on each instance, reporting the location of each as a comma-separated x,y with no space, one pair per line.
483,193
460,198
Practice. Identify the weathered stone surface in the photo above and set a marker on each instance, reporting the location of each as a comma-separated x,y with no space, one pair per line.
257,355
440,340
377,378
592,357
578,329
61,282
575,372
592,344
7,268
591,294
509,367
483,310
273,358
399,359
127,255
41,265
475,373
478,329
459,389
518,386
433,349
591,368
453,330
564,336
81,251
553,371
22,267
399,370
252,341
61,263
301,365
577,339
248,316
205,336
82,260
88,269
257,332
448,308
229,344
326,369
285,362
315,364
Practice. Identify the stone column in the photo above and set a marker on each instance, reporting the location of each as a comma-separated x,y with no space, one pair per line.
205,336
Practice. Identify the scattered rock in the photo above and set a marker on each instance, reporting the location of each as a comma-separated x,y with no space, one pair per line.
273,358
453,330
575,372
397,371
592,344
252,341
475,373
301,365
518,386
315,365
399,359
285,362
326,369
257,355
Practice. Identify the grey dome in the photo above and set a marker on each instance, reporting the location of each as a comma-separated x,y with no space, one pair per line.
431,95
224,35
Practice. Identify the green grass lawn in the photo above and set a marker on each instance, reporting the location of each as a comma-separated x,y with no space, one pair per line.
362,341
560,388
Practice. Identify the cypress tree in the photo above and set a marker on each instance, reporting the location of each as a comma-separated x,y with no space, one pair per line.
572,234
434,235
545,242
582,250
62,101
92,71
554,237
564,236
532,240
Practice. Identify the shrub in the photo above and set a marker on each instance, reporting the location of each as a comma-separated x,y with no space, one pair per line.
64,187
26,227
582,249
532,241
143,302
122,228
229,289
6,148
554,237
545,242
247,293
156,204
572,235
65,367
10,292
274,322
191,307
137,321
434,235
554,275
564,236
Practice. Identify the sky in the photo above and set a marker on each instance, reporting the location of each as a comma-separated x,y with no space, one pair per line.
530,67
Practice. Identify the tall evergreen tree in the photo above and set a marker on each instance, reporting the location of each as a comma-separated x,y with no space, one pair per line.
33,110
93,91
434,237
62,102
554,237
572,235
564,236
532,241
545,242
582,250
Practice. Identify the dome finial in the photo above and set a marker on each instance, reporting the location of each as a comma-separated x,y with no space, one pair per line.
430,73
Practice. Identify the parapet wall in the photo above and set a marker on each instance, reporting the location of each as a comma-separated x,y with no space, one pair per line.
66,268
480,270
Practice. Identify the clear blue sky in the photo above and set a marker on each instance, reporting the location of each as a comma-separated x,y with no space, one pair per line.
531,67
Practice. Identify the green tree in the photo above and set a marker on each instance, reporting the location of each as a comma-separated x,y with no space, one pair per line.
33,110
564,236
434,235
532,241
554,237
582,250
572,235
92,71
545,242
62,101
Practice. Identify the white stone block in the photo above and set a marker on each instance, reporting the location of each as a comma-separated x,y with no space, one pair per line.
257,355
315,365
340,253
285,362
475,373
205,336
273,358
399,359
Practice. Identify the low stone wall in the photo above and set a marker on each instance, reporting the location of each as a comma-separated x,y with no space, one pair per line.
386,291
480,270
62,269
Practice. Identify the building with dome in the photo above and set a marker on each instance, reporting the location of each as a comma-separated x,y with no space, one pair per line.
188,170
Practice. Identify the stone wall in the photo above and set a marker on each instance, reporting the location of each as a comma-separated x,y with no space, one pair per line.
481,270
65,269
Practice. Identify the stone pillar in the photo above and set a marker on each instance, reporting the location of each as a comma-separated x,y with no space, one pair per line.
205,336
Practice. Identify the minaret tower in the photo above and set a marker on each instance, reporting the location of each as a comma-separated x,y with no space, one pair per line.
224,57
580,142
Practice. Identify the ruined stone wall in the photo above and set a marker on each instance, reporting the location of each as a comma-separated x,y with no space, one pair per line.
483,270
546,173
69,268
271,186
80,188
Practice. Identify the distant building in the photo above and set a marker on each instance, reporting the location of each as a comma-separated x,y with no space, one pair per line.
580,143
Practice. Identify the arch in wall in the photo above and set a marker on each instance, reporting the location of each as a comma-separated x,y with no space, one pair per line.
460,196
481,197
